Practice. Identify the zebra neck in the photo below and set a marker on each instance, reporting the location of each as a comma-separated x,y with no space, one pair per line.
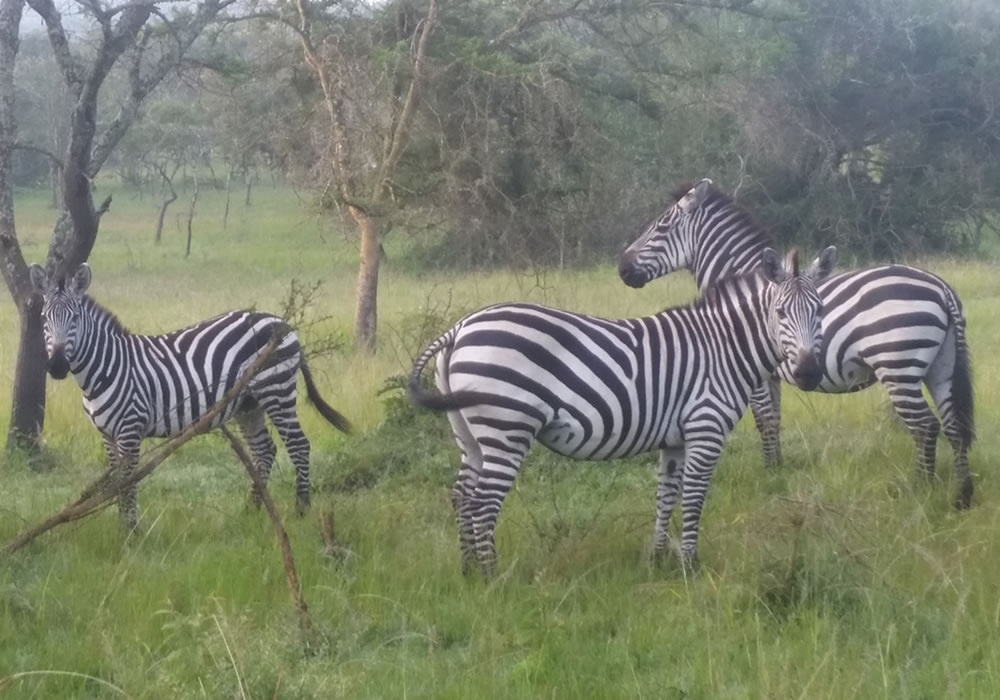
737,310
729,242
102,350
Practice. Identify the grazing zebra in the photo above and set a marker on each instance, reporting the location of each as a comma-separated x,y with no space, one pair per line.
138,386
596,389
895,324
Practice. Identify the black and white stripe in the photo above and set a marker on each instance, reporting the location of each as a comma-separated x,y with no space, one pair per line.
138,386
895,324
593,388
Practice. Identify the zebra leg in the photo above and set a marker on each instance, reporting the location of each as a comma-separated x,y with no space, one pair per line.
765,403
668,487
463,490
462,502
941,392
290,431
500,467
462,493
128,499
701,453
908,400
253,426
115,467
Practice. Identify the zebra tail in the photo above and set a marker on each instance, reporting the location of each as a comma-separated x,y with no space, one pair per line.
435,401
326,410
962,390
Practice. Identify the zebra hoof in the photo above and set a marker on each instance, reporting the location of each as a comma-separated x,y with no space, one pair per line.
488,569
302,507
964,499
660,556
690,562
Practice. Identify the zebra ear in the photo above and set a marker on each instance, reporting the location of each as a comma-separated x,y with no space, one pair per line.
39,278
823,265
80,281
772,267
695,196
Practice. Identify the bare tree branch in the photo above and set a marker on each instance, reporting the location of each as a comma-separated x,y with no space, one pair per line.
71,69
294,585
38,149
141,85
400,136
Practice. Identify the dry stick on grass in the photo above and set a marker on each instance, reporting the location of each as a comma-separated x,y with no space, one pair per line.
105,488
305,620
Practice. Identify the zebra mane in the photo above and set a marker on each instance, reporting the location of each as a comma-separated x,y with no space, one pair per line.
113,320
717,197
714,293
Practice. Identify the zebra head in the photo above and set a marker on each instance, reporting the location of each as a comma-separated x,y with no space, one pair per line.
794,311
62,314
668,243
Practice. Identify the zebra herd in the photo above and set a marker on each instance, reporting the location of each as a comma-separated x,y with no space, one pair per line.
585,387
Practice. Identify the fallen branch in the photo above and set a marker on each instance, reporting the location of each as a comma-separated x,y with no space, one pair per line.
260,488
97,495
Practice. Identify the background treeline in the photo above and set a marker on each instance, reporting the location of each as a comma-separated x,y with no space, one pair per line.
547,132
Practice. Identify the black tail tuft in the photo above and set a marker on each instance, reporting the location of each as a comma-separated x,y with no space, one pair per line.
445,402
962,391
326,410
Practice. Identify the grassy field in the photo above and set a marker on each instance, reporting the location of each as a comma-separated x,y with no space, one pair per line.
837,575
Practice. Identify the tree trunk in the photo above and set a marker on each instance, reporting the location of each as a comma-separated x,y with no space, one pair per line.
168,180
250,178
28,393
229,190
27,415
194,201
163,212
54,186
366,311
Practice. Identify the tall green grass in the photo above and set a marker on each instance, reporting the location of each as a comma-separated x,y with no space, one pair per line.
838,575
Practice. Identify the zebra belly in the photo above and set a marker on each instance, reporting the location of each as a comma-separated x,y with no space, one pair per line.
567,436
167,423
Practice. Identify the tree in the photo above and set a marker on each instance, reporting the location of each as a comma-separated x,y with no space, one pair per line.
155,40
363,137
319,45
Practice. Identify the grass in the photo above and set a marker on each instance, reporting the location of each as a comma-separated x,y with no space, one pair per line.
838,575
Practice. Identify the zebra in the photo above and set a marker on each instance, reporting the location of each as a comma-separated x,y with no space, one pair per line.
597,389
893,324
139,386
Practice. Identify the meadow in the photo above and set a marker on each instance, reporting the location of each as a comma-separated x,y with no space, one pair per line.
837,575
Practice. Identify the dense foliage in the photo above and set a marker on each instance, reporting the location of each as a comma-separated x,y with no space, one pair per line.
548,132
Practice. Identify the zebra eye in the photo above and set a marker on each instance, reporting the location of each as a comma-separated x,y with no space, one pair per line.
782,314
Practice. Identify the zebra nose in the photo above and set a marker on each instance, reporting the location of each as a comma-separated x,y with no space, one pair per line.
631,274
807,372
58,364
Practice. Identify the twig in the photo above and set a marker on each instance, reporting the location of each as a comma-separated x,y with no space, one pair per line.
260,488
105,488
329,534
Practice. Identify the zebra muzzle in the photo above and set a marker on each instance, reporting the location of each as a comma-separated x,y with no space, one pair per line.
58,364
807,372
631,274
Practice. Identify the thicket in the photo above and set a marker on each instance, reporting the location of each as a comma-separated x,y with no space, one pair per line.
548,133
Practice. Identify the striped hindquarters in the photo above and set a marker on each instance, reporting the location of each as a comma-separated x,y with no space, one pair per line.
893,317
